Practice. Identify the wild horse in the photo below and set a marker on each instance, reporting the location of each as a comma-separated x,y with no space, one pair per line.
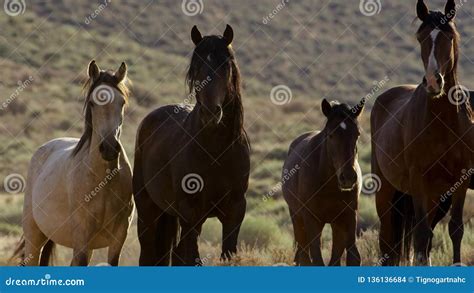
193,163
421,147
325,186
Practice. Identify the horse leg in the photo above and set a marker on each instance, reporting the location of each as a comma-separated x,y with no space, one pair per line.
456,225
147,223
231,222
339,240
313,229
383,201
115,248
353,255
83,226
441,211
302,256
422,231
34,241
188,252
47,253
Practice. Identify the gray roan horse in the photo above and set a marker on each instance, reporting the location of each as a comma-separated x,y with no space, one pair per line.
325,186
191,164
79,191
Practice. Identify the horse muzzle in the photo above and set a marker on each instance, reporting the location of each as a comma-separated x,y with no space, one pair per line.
347,180
109,150
211,118
433,83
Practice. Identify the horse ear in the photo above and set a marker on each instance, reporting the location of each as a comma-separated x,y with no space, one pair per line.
422,10
228,34
196,35
93,70
357,109
326,107
121,73
450,10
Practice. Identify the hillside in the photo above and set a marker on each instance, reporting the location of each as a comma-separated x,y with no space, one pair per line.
318,49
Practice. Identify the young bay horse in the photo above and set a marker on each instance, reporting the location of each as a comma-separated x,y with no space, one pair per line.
79,191
193,163
421,143
326,186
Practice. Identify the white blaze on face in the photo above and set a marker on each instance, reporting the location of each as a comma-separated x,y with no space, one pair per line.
432,63
343,125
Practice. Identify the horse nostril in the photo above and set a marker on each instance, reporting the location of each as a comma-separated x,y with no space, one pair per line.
424,81
101,147
439,77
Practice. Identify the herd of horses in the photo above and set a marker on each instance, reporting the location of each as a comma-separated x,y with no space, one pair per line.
421,146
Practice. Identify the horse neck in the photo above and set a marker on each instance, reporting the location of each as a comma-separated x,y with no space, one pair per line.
441,106
222,136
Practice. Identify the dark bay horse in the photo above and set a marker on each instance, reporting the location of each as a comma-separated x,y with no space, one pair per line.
326,186
421,144
193,163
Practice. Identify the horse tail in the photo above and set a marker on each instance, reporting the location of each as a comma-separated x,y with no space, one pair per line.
167,231
19,252
47,254
403,222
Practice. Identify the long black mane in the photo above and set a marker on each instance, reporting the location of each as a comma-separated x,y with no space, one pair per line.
225,57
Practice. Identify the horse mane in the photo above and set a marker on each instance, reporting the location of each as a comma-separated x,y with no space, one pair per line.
234,95
107,78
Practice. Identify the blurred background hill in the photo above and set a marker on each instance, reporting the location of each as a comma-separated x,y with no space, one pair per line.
317,49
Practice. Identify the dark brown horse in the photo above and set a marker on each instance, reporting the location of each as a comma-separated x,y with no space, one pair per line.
321,184
421,145
192,164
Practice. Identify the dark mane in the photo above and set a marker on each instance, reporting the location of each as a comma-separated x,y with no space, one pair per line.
107,78
225,58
